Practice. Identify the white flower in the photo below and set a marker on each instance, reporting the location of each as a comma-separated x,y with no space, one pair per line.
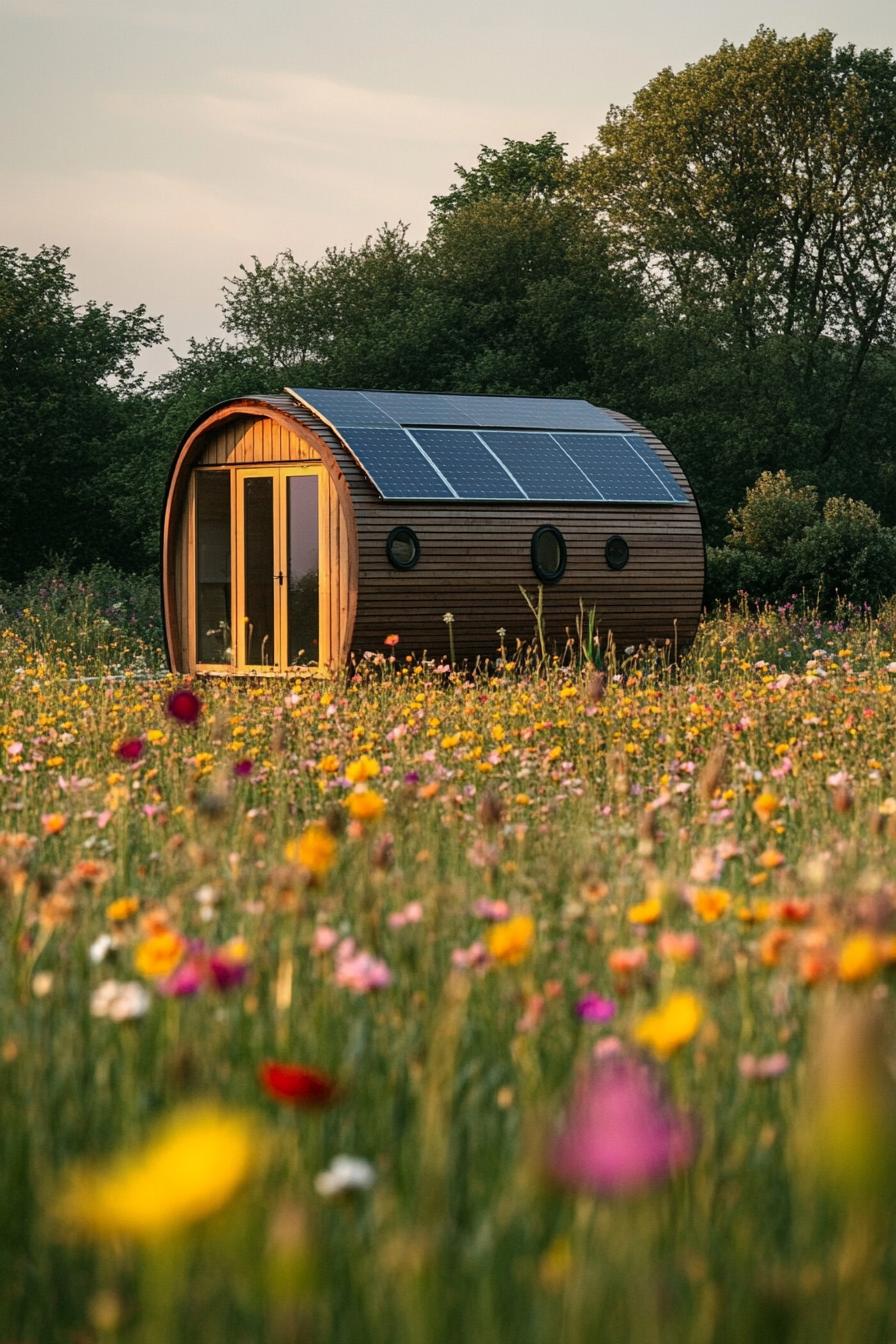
100,948
343,1175
119,1000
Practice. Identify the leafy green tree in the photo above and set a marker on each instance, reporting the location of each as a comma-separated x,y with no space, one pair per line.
524,170
70,403
753,195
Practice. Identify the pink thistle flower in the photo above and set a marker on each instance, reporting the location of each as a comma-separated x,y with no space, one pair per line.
592,1008
620,1133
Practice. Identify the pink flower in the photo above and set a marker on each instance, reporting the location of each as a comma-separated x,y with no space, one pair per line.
469,958
411,914
592,1008
764,1067
229,965
242,768
324,939
620,1133
493,910
361,972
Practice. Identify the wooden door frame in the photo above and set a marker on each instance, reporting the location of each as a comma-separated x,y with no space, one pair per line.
279,474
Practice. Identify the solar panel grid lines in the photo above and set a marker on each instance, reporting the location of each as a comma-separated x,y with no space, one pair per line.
582,454
395,464
474,472
644,451
540,466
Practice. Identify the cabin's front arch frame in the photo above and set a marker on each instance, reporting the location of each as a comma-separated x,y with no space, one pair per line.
252,436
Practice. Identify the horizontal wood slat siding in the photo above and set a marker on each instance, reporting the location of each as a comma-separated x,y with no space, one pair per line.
475,557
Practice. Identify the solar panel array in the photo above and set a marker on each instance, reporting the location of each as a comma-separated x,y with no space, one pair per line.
416,445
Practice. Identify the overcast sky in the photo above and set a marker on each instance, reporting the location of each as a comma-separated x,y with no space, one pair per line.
165,143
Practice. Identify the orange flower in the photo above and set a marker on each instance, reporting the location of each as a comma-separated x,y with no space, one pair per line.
122,909
794,911
771,858
710,903
53,822
367,805
766,805
390,641
859,958
510,941
646,912
626,960
158,955
315,850
364,768
773,945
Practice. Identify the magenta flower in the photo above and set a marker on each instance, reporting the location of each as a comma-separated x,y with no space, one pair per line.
130,750
184,706
242,768
620,1133
593,1008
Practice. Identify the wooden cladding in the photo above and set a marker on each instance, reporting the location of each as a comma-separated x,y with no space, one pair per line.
474,557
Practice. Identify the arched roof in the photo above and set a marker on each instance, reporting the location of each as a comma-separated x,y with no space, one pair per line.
436,447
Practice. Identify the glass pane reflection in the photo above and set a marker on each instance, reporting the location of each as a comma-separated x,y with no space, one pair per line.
258,549
303,640
213,635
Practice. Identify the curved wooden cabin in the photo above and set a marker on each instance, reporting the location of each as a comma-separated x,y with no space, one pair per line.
306,526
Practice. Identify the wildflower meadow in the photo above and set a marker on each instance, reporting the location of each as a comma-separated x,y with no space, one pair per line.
545,1001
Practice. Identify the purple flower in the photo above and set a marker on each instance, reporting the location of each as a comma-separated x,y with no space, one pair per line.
592,1008
620,1133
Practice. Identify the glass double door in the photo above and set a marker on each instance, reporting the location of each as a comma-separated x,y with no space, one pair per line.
258,549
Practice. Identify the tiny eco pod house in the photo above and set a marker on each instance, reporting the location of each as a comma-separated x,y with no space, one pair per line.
302,527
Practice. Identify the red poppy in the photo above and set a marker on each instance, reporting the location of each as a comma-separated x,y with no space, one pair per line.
242,768
184,706
296,1085
131,750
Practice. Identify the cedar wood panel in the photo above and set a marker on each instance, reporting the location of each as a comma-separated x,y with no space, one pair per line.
475,556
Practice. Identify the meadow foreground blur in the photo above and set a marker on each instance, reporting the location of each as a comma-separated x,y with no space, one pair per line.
540,1005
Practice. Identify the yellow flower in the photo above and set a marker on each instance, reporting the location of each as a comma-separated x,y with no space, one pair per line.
364,768
366,805
646,912
328,764
122,909
711,902
671,1025
155,735
765,806
192,1166
859,957
159,954
315,850
510,941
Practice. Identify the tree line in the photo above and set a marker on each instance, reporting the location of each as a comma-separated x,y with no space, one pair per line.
720,264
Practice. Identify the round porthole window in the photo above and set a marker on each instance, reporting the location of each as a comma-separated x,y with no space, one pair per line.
548,554
402,548
616,552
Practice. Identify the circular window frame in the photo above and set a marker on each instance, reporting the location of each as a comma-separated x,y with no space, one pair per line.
543,575
404,533
618,564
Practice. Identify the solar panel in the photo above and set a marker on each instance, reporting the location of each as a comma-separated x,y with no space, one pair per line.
462,456
344,410
534,413
540,465
420,408
395,464
623,467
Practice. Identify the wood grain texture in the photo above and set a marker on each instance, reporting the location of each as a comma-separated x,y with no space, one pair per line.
474,557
